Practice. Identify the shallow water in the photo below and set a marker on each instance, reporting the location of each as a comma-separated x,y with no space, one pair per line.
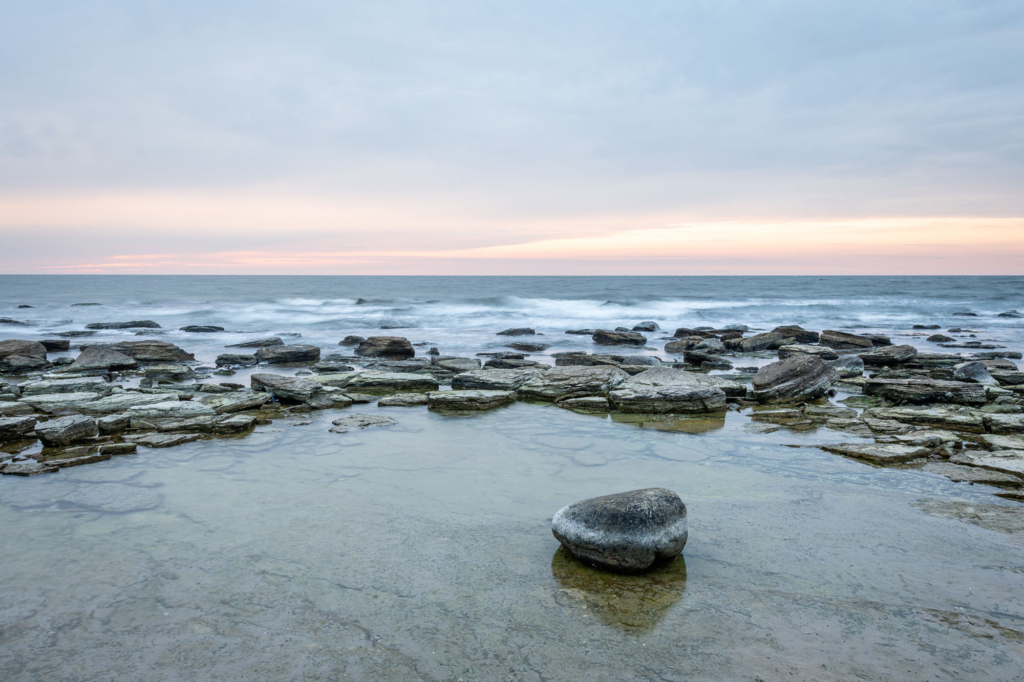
423,551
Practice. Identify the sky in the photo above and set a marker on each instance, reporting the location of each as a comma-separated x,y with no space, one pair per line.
480,137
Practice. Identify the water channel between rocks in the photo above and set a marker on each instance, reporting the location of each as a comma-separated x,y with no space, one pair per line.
423,551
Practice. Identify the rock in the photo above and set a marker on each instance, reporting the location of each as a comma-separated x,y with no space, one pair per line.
134,324
469,400
15,409
202,329
163,440
888,355
258,343
969,474
956,419
74,385
355,422
392,381
646,326
624,532
172,373
119,448
572,382
152,351
223,403
328,367
974,372
508,363
1011,313
56,345
392,347
581,332
174,409
335,379
120,402
1007,378
28,467
924,390
664,390
588,405
113,424
21,347
797,379
16,428
926,326
236,360
404,366
998,442
457,365
1005,461
517,331
683,345
840,340
279,355
966,314
66,430
102,357
529,347
711,345
286,388
941,338
1004,423
611,338
823,352
778,337
825,412
880,453
403,400
351,340
494,379
7,320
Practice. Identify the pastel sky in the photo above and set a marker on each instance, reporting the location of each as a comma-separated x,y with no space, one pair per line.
484,137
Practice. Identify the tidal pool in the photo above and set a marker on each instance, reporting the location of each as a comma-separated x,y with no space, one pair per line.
423,551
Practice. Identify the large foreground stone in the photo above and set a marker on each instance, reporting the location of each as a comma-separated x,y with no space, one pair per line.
572,382
279,355
665,390
16,428
22,347
924,390
797,379
626,531
392,347
101,357
66,430
457,401
57,403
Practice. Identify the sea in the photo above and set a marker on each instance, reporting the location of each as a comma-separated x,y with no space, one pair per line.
461,315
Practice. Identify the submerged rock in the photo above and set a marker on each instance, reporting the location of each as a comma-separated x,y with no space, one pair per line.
66,430
458,401
626,531
664,390
28,467
279,355
572,382
114,497
391,347
202,329
355,422
615,338
258,343
797,379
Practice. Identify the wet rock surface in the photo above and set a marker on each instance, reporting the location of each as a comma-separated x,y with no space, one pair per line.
661,390
572,382
280,355
616,338
797,379
66,430
469,400
357,422
626,531
392,347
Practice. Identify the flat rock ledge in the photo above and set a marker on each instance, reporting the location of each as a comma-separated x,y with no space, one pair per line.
664,390
626,532
470,400
356,422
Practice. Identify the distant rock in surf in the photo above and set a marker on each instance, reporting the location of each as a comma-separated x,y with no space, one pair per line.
134,324
517,331
393,347
201,329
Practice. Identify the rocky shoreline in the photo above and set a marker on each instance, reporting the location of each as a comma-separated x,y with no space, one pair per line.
959,413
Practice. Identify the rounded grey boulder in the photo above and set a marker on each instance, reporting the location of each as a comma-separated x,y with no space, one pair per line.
626,532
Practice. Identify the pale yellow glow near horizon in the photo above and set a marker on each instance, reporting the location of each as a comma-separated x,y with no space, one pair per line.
341,235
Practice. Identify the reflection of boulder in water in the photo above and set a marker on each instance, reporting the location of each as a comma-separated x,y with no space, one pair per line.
698,423
634,601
